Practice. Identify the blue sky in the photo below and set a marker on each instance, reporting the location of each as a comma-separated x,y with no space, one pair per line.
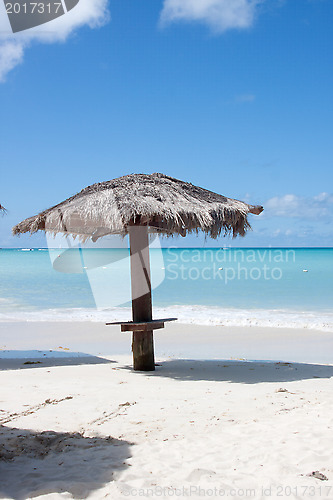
234,96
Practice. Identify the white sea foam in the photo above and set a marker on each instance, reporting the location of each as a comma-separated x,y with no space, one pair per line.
197,315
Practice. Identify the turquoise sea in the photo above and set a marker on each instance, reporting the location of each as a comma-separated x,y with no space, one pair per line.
268,287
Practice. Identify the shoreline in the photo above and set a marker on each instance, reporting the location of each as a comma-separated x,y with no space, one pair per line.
194,315
176,341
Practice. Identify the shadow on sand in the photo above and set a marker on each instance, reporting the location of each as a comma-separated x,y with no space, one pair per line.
17,360
238,371
39,463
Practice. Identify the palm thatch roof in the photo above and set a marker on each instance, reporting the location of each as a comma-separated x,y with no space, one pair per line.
2,208
165,204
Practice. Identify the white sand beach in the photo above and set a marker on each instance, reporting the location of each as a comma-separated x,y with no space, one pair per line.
229,412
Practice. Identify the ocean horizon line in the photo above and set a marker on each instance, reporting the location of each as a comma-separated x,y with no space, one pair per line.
184,248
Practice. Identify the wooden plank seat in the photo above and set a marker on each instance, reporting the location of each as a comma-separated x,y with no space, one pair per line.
142,326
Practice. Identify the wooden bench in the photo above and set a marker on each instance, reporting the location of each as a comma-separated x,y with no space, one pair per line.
142,340
144,326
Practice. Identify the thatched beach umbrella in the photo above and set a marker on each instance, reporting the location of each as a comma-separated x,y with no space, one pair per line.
135,205
2,208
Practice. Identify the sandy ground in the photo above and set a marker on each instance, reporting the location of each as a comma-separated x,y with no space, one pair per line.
229,412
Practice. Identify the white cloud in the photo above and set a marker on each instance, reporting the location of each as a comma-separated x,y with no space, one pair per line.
93,13
219,15
11,54
291,205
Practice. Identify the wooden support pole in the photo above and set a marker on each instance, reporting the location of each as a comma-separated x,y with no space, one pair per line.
143,342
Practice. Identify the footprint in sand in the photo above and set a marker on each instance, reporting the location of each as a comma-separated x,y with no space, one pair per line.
197,474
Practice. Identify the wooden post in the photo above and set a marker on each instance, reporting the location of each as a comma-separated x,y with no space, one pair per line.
143,342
